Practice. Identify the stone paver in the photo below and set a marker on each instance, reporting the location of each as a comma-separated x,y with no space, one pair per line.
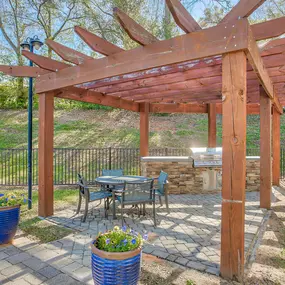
188,236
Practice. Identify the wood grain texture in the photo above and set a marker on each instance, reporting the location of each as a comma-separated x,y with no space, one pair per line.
67,53
212,125
276,147
46,130
181,16
96,43
269,29
242,9
135,31
83,95
144,129
45,62
22,71
234,164
265,150
203,43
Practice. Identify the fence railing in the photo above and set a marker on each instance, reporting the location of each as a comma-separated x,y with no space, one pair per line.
68,162
89,162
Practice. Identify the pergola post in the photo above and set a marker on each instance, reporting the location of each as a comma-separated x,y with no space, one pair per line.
234,164
265,150
212,125
46,128
276,147
144,129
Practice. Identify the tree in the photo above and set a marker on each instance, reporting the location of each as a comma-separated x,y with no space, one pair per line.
13,32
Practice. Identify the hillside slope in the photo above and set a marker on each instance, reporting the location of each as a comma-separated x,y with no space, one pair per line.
99,128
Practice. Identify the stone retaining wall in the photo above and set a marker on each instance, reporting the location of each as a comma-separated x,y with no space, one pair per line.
183,178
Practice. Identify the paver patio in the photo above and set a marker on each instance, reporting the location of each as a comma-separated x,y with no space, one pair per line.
189,236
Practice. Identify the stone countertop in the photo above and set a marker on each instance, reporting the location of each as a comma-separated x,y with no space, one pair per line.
180,158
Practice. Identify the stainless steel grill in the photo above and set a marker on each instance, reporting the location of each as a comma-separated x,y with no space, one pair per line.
207,157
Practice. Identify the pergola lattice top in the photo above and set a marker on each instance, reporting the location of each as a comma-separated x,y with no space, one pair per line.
176,75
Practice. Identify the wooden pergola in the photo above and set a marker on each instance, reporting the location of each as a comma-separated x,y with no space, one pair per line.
215,70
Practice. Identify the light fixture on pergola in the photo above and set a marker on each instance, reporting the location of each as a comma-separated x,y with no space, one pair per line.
215,70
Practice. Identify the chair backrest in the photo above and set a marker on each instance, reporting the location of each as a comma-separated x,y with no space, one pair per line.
82,183
112,172
162,180
138,191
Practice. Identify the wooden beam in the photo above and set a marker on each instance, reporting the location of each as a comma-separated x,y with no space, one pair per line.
256,61
242,9
45,62
135,31
269,29
67,53
205,43
144,129
22,71
194,108
83,95
276,147
265,150
181,16
234,165
96,43
212,125
46,129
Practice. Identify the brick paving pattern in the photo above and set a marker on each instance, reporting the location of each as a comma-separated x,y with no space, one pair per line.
189,236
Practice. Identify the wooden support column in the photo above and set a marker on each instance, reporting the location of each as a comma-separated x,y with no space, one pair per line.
276,147
265,150
212,125
144,129
234,164
46,128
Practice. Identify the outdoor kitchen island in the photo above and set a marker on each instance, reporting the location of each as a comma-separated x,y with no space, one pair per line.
201,172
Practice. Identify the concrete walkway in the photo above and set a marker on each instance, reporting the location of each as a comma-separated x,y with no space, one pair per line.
189,236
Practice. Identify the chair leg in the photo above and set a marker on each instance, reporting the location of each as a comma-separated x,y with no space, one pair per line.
144,209
154,214
160,200
79,204
86,210
166,203
106,202
122,212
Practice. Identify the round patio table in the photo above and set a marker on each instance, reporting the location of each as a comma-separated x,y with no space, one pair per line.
112,181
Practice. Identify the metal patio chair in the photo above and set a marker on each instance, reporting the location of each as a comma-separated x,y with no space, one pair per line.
91,196
112,172
138,194
161,188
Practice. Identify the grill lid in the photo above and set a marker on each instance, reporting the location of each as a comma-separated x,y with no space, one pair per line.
207,157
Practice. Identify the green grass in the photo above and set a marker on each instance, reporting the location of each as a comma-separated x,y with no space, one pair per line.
41,230
115,128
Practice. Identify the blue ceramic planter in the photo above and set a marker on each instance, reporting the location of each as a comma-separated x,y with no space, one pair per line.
115,268
9,220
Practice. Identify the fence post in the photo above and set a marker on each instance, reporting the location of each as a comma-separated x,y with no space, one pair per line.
166,151
110,157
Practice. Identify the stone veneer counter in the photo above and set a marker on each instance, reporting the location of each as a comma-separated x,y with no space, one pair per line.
184,178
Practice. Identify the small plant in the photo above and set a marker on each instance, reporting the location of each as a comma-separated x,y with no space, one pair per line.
11,199
190,282
119,240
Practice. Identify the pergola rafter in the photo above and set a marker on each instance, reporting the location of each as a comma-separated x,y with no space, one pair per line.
218,70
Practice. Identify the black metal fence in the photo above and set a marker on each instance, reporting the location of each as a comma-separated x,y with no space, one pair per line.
68,162
89,162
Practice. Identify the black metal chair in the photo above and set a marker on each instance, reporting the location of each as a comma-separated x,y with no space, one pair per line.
138,193
89,196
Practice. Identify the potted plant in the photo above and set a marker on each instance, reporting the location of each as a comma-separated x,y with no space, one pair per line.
9,215
116,257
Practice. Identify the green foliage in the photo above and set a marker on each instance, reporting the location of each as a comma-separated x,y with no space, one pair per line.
190,282
118,240
12,199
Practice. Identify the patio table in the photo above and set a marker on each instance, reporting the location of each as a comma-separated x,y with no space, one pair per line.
112,181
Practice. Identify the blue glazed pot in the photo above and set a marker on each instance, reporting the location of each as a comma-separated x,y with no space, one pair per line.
9,220
115,268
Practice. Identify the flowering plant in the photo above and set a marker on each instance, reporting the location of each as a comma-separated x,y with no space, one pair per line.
11,199
119,240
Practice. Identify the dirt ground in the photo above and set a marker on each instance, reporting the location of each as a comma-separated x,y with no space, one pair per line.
268,268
